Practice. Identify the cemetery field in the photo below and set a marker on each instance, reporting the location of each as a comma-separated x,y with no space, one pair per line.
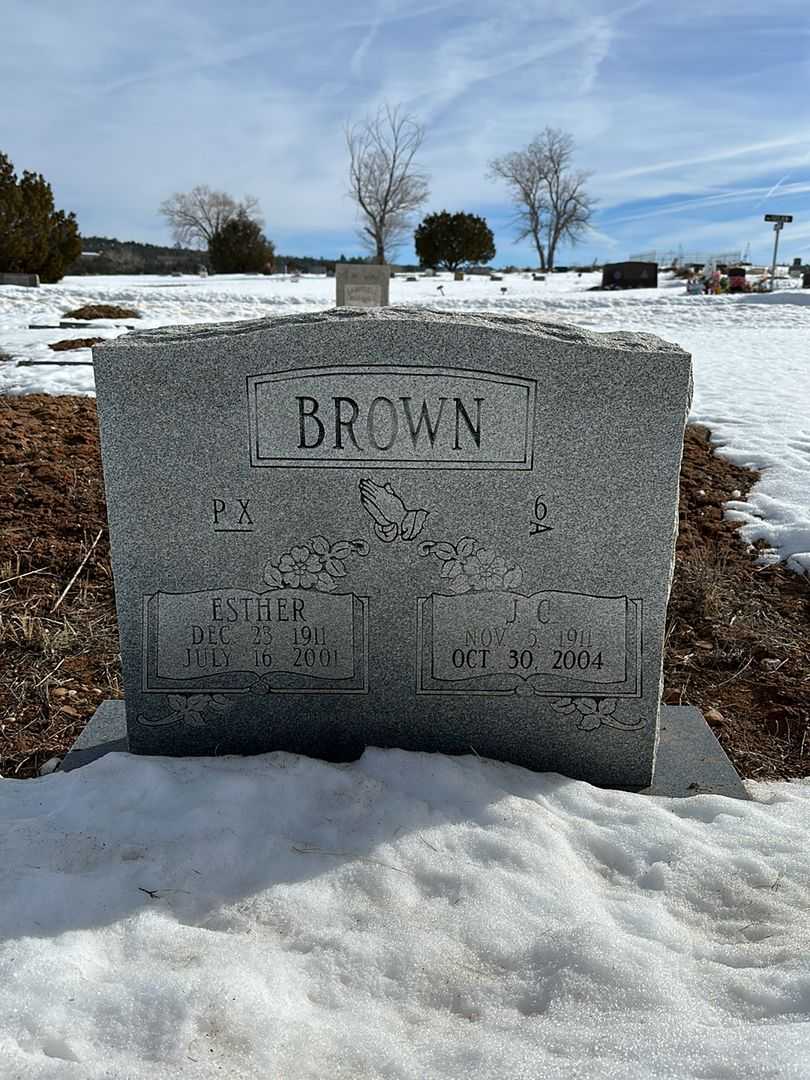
406,914
738,632
738,621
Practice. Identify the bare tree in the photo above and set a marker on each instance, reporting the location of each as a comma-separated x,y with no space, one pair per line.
551,200
195,216
383,179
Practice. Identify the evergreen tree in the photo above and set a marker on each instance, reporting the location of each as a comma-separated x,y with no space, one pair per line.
35,238
240,247
453,240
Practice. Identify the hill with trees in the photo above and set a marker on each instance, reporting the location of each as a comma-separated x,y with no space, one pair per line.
107,255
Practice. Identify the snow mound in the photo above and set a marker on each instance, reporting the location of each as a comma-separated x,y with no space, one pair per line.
778,296
402,916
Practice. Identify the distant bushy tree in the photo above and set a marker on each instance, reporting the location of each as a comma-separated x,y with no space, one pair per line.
240,247
453,240
35,238
196,216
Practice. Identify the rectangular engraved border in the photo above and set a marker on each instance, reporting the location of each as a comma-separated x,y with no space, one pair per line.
524,464
634,644
172,686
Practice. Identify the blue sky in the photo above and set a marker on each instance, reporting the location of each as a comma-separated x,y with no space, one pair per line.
693,117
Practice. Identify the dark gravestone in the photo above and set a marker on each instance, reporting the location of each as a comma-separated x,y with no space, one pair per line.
630,275
397,528
30,281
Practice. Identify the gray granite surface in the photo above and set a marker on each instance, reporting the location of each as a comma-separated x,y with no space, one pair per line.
395,527
690,760
30,281
362,285
105,733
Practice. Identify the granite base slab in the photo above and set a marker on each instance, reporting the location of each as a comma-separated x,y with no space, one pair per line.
690,760
106,733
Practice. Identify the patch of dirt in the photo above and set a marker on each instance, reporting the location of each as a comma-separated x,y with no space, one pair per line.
75,343
102,311
738,633
56,662
738,636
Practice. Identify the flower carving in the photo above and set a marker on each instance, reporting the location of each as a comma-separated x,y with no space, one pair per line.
468,567
594,712
486,570
192,709
316,564
300,568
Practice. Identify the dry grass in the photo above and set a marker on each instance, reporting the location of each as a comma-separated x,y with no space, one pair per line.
738,646
58,663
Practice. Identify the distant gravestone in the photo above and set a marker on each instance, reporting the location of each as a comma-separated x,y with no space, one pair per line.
630,275
362,285
399,528
458,275
30,281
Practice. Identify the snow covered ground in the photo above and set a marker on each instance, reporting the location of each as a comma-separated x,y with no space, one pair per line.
403,916
751,353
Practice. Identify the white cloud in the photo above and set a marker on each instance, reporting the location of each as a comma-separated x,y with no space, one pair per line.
132,102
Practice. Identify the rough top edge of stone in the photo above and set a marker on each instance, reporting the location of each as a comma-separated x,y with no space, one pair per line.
528,326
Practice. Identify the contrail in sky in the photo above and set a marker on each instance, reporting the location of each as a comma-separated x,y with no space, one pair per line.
779,183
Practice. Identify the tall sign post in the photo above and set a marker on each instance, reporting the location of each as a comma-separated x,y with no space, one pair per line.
779,221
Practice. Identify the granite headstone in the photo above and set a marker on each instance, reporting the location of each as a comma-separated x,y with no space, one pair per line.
401,528
29,281
362,285
630,275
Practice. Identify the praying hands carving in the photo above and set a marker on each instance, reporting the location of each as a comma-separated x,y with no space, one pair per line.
392,519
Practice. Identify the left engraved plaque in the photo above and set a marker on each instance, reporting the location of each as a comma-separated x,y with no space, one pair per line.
239,641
